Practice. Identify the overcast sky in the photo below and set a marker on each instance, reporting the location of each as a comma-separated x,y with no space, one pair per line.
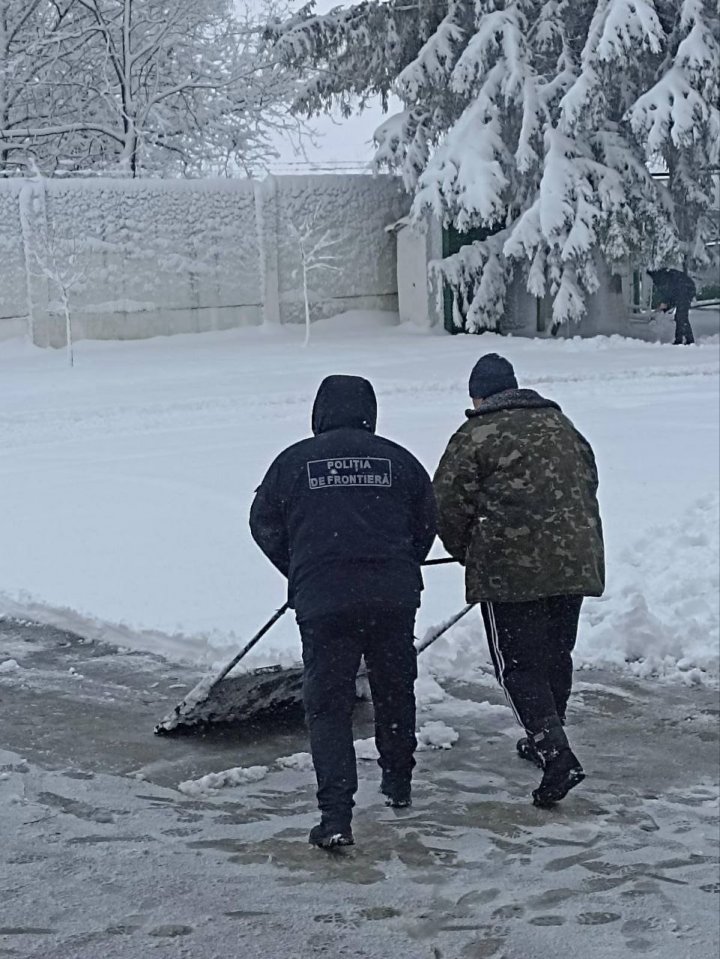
342,143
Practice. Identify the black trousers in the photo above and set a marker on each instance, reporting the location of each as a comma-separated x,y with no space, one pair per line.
683,330
332,649
531,647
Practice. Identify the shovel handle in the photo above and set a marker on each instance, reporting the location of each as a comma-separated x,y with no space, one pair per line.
440,630
283,609
253,642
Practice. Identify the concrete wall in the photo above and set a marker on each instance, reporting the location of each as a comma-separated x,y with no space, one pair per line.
344,218
144,258
13,284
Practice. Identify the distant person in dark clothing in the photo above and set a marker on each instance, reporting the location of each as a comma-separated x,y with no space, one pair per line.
675,290
349,517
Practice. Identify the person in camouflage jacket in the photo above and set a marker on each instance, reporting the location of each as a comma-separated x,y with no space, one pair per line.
516,491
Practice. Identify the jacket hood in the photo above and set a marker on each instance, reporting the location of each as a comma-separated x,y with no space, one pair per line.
344,401
513,400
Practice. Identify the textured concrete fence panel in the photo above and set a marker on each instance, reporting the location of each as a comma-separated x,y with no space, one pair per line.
141,258
13,279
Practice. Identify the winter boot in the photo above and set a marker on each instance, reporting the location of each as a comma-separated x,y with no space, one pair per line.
328,835
561,774
526,750
561,768
397,791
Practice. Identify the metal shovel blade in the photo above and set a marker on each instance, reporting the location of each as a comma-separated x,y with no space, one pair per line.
268,691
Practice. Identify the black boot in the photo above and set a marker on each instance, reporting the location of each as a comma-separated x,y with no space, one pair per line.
397,791
561,768
561,774
328,835
526,750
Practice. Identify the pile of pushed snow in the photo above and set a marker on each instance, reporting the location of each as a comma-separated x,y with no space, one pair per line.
436,735
659,616
431,735
237,776
300,761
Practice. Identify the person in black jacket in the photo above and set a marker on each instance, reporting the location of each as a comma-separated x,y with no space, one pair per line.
675,290
348,517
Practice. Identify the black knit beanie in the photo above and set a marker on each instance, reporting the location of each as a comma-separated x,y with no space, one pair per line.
491,374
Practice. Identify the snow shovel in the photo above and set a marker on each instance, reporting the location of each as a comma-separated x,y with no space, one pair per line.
219,698
208,702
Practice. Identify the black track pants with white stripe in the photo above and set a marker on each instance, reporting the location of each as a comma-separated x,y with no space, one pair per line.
531,647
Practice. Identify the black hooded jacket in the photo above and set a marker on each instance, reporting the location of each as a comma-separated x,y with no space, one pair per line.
673,288
346,515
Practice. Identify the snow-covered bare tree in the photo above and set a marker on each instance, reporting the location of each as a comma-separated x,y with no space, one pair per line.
52,256
534,123
32,36
144,86
318,252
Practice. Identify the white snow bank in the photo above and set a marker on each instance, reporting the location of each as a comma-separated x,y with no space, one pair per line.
660,615
9,666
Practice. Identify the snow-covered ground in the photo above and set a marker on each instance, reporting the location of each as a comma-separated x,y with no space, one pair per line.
126,482
125,486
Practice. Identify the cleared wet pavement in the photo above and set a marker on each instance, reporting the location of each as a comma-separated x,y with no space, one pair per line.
102,856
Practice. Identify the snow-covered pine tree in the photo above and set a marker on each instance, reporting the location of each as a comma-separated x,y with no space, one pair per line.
535,124
678,122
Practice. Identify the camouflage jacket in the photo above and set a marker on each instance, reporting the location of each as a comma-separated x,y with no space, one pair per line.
516,494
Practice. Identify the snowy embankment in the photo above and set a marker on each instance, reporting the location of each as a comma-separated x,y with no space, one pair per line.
126,483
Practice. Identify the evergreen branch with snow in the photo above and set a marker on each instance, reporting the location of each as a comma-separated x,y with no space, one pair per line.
540,122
